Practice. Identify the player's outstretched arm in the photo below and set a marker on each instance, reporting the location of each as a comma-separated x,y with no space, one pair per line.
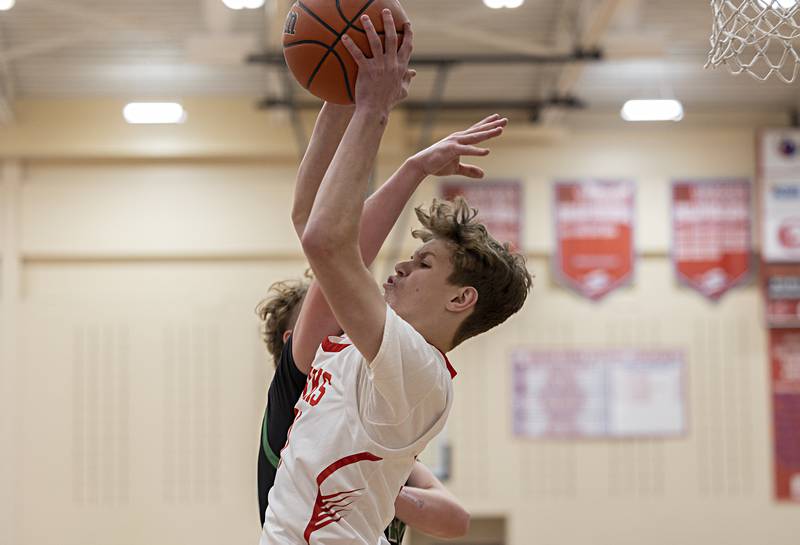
427,506
328,131
330,240
381,210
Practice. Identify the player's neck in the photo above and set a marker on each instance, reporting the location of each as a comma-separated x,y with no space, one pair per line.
436,333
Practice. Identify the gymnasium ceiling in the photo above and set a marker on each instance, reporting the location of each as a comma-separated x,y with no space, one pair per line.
173,49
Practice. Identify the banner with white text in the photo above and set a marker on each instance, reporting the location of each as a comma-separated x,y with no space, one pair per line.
594,227
711,234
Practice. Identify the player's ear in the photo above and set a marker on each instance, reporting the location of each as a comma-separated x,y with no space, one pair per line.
286,335
465,299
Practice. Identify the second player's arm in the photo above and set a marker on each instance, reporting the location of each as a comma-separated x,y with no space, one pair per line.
427,506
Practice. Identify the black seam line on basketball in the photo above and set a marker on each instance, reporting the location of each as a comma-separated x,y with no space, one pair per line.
349,25
344,72
319,19
302,42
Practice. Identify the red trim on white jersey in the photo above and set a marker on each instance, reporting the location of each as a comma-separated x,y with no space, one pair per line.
450,368
330,346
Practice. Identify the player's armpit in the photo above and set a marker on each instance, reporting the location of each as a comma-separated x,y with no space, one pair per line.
314,323
351,292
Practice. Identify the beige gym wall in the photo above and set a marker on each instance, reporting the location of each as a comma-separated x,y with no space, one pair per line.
133,379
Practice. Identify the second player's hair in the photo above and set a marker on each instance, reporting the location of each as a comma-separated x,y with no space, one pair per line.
493,269
278,312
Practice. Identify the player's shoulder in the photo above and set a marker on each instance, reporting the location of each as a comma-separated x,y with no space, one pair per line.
409,336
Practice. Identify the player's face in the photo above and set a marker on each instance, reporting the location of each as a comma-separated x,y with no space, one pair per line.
420,284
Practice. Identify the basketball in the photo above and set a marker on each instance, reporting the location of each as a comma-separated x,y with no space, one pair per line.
313,48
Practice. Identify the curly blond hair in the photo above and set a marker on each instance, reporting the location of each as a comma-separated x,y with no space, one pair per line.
497,273
279,311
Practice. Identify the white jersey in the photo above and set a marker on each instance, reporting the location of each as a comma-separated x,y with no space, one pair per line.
358,428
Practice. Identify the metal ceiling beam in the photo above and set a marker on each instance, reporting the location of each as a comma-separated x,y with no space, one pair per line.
92,15
484,38
578,55
567,102
105,25
51,44
597,22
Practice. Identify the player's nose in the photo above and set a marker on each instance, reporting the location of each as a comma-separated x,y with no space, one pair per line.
401,268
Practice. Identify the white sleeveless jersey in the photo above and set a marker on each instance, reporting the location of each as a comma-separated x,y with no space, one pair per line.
358,428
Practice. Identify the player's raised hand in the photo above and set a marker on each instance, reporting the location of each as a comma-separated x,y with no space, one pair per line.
444,157
384,78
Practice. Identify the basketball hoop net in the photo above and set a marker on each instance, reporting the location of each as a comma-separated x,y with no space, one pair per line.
757,37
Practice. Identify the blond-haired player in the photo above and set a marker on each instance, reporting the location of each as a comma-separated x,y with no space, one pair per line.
423,503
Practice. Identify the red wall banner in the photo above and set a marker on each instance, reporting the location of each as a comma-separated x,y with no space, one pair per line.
594,235
711,234
784,348
499,206
782,294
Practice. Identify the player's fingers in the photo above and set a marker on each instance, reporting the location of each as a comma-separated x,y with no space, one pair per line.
483,121
475,137
502,122
354,50
404,55
391,34
409,75
372,35
470,171
461,149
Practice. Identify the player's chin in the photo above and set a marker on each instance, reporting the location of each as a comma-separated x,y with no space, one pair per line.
390,299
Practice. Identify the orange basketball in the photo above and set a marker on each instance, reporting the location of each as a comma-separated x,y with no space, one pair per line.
313,48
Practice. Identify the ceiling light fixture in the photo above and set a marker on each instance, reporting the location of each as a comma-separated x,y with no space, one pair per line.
785,4
497,4
652,110
6,5
154,113
243,4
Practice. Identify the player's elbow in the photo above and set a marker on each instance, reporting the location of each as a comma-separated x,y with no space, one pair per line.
299,226
320,245
459,523
454,525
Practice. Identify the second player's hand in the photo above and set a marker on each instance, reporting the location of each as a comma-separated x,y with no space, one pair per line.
444,157
383,79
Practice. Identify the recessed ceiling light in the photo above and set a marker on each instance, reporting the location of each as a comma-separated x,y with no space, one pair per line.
497,4
153,113
6,5
243,4
785,4
652,110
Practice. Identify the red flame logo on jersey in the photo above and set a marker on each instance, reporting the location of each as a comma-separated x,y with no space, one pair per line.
329,507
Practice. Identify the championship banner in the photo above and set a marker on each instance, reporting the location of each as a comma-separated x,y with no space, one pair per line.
499,205
594,235
785,358
779,169
782,293
711,234
595,394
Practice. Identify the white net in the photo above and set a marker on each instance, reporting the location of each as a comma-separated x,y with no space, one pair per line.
758,37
